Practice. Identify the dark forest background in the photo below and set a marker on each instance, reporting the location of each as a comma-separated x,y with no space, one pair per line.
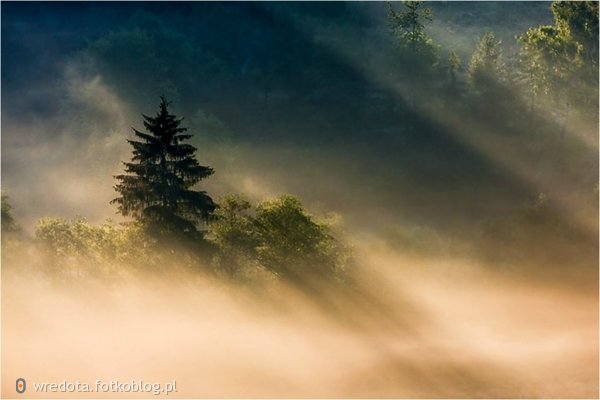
478,129
371,199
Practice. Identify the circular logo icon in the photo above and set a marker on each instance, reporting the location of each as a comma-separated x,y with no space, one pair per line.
21,385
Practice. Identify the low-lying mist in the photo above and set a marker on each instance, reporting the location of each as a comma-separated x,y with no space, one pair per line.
445,182
401,326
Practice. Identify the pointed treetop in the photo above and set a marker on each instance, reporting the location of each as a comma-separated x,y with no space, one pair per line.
164,104
157,187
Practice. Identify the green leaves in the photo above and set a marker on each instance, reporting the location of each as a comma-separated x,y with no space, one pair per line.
77,239
7,219
560,61
486,69
408,25
418,55
278,235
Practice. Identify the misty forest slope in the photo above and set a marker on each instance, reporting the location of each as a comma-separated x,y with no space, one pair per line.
332,199
272,88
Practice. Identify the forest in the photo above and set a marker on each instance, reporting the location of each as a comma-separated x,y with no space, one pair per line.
303,199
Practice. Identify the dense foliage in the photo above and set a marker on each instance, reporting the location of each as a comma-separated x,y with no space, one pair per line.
8,222
277,235
157,188
277,238
559,62
460,136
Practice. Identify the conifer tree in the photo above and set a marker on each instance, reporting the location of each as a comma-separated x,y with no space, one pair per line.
408,26
157,188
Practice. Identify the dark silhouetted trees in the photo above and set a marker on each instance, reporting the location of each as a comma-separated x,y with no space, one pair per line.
7,219
416,55
157,189
408,26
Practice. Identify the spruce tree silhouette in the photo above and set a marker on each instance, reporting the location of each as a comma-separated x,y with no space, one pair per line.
157,188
